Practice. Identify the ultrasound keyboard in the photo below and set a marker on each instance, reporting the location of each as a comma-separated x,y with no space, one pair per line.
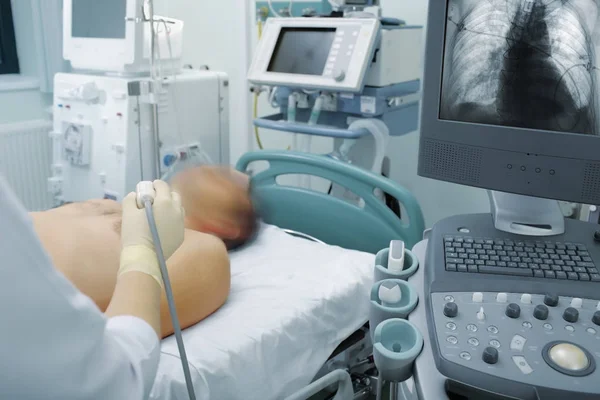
539,259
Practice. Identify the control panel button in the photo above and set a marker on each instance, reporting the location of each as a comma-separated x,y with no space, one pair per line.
451,310
451,326
570,328
526,298
452,339
569,357
490,355
598,306
492,329
517,343
522,364
495,343
472,328
551,300
541,312
465,356
571,315
591,331
481,315
513,310
527,325
339,75
473,342
548,327
478,297
596,318
576,303
501,297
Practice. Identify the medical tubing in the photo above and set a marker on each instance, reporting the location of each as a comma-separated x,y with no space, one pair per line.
170,299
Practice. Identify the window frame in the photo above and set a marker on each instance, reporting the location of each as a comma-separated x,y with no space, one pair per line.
9,58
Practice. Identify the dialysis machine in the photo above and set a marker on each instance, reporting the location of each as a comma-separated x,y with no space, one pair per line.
130,112
354,78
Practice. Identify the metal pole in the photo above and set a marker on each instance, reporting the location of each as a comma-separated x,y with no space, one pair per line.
394,390
154,86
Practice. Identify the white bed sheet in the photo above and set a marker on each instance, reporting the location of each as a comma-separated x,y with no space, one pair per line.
292,302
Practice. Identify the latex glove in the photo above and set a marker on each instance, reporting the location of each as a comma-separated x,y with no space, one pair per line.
138,252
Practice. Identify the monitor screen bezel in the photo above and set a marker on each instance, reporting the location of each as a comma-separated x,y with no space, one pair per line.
520,140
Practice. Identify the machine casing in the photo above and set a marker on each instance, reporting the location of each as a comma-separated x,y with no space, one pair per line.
103,143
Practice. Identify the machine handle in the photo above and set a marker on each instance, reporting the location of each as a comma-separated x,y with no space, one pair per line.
315,130
341,377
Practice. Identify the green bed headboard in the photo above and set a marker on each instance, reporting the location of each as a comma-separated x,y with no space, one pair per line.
327,218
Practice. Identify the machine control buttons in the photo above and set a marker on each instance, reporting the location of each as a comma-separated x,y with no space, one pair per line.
569,328
541,312
596,318
472,328
576,303
452,339
490,355
569,358
451,326
494,343
501,297
551,300
339,75
527,325
522,364
451,310
517,343
492,329
591,331
571,315
478,297
513,311
465,356
473,342
598,306
449,299
548,327
481,315
526,298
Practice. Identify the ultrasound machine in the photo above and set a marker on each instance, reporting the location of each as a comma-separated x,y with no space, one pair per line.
510,300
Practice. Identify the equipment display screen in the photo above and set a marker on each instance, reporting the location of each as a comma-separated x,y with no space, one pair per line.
302,51
99,19
524,64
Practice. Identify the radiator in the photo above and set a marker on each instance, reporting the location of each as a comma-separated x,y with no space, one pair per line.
25,161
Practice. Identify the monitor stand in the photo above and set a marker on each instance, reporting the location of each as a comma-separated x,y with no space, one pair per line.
524,215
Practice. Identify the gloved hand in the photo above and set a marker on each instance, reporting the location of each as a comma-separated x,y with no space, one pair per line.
138,252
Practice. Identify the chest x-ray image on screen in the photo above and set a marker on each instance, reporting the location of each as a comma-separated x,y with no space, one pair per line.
522,63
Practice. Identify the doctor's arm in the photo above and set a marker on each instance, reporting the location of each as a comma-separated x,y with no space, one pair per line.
56,344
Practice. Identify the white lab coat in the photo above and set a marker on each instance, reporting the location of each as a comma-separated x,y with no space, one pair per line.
55,344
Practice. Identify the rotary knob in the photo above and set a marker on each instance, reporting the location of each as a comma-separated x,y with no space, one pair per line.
339,75
541,312
596,318
490,355
551,300
513,311
571,315
450,310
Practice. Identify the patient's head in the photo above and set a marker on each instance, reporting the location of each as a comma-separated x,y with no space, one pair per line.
217,201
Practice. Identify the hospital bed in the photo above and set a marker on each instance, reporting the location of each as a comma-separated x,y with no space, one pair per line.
293,301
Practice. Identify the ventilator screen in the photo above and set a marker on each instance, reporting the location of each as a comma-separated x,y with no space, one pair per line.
103,19
302,51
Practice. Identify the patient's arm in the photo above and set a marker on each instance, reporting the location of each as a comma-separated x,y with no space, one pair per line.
84,243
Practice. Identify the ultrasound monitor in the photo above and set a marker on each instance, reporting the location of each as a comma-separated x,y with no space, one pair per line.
511,103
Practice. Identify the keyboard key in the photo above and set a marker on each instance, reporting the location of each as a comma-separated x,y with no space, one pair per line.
576,258
458,245
550,251
459,239
505,271
585,264
573,276
469,240
539,245
502,253
461,250
566,268
489,241
583,254
592,270
556,268
450,267
538,261
570,263
515,259
561,275
520,244
595,277
487,247
548,262
586,259
513,254
554,257
550,246
532,255
523,265
509,243
501,264
479,262
534,266
472,269
565,258
497,247
491,263
544,256
549,274
448,239
527,260
505,258
538,273
561,252
509,248
584,277
474,256
571,252
529,249
478,246
494,258
467,245
479,241
480,252
492,253
469,262
581,247
561,247
484,257
463,255
462,268
580,269
545,267
499,242
519,248
470,251
451,255
559,262
571,247
513,265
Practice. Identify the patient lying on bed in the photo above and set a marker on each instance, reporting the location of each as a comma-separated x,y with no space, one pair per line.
83,240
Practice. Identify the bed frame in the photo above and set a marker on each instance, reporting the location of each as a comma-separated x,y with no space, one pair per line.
327,218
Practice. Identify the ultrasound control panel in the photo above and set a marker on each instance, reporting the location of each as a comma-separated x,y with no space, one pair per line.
540,340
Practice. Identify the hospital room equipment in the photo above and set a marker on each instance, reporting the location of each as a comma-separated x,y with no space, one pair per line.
339,78
129,112
509,300
145,195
